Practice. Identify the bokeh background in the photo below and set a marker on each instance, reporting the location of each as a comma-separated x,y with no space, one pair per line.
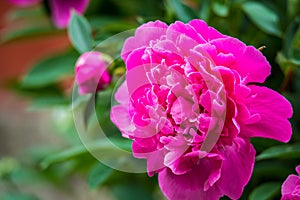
36,124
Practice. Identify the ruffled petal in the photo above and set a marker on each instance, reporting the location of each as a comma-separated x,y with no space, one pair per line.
155,159
289,184
189,186
274,111
122,95
237,167
143,35
249,62
207,33
178,28
120,117
298,170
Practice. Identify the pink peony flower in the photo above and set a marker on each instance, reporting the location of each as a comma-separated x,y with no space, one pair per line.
60,9
190,103
290,189
90,73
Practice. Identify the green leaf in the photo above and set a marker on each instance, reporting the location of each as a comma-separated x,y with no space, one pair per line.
290,36
204,10
15,196
7,166
106,24
26,13
25,175
293,7
89,109
27,22
221,8
100,146
266,191
183,12
265,18
103,107
50,71
49,101
277,169
131,191
282,151
80,33
28,31
99,174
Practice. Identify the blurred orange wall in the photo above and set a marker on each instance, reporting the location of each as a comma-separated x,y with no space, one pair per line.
17,57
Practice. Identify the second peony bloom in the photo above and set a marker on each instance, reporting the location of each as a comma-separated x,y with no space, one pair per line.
191,103
290,189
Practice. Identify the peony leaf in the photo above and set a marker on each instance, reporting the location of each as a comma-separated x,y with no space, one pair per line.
290,36
34,22
80,33
221,8
263,17
17,196
50,71
277,169
204,10
132,191
51,100
99,174
29,31
183,12
89,109
7,166
293,7
266,191
99,146
18,13
282,151
102,108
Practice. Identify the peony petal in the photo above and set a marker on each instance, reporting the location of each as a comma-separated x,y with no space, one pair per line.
132,62
289,184
181,109
120,117
274,111
155,162
298,170
189,186
207,33
143,35
122,95
178,28
237,167
136,80
250,62
61,10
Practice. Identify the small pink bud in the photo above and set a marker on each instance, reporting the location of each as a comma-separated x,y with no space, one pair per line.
90,73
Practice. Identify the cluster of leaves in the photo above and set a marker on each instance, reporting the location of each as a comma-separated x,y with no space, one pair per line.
270,23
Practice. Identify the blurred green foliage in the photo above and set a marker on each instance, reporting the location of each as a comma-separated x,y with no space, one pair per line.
271,23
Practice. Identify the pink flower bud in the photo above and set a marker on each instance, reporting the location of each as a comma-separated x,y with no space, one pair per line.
90,73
